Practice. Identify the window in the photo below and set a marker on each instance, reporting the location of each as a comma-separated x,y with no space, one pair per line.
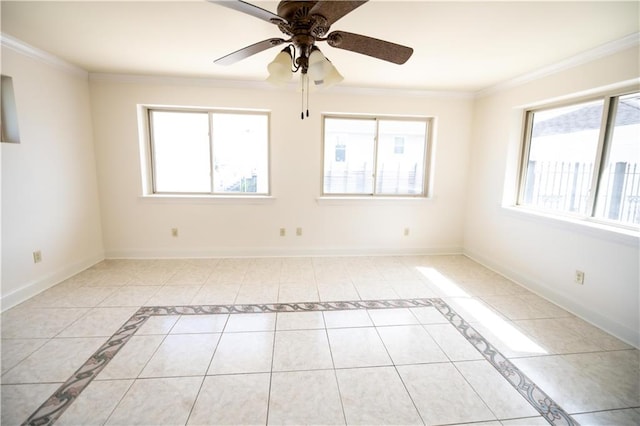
209,152
375,156
582,159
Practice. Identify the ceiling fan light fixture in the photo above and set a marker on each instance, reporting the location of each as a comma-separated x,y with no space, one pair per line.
332,77
319,65
280,68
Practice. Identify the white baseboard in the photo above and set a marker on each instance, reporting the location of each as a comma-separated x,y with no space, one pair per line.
41,284
621,331
275,252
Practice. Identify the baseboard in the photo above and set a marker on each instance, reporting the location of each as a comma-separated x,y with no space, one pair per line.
276,252
41,284
607,324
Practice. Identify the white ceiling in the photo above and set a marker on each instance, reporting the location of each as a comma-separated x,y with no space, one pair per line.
462,46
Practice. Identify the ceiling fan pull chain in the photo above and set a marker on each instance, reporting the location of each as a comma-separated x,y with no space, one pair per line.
302,96
307,79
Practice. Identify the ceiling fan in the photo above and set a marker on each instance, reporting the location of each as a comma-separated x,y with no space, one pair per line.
306,23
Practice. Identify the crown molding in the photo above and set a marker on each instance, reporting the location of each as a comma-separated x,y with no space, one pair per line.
264,85
607,49
40,55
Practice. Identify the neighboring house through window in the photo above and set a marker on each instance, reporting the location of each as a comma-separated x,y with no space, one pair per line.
582,159
376,155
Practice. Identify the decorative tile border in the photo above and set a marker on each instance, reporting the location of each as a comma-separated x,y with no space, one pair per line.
62,398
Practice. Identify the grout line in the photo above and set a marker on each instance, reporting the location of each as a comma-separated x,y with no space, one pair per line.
335,370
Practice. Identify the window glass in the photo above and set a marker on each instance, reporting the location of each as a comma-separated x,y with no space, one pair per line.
374,156
240,153
582,160
401,146
349,155
619,190
562,153
209,152
180,149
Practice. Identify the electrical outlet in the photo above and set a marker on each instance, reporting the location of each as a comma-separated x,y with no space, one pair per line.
174,232
406,232
579,278
37,256
298,232
283,232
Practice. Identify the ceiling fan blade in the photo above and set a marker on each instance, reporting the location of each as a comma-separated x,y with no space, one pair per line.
370,46
249,9
334,10
245,52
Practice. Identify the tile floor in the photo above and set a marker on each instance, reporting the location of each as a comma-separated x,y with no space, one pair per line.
444,341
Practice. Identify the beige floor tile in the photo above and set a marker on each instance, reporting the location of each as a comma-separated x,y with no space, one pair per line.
375,396
555,338
216,294
627,417
344,319
173,296
305,397
528,421
495,391
15,350
299,320
99,322
86,297
428,315
20,401
200,324
357,347
337,292
38,323
410,344
232,399
400,316
132,358
165,401
130,296
158,325
413,339
295,293
376,292
604,340
411,289
454,345
301,350
249,352
55,361
442,395
251,322
189,276
571,385
95,403
182,355
249,294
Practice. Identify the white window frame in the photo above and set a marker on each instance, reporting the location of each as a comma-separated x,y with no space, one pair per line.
426,161
607,124
149,166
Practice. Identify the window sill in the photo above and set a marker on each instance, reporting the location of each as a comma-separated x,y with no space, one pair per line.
371,200
584,226
205,199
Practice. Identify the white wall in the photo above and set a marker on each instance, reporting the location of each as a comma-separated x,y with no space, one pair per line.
540,253
49,188
139,227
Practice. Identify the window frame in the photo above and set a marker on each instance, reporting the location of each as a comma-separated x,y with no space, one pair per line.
607,125
150,172
426,160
